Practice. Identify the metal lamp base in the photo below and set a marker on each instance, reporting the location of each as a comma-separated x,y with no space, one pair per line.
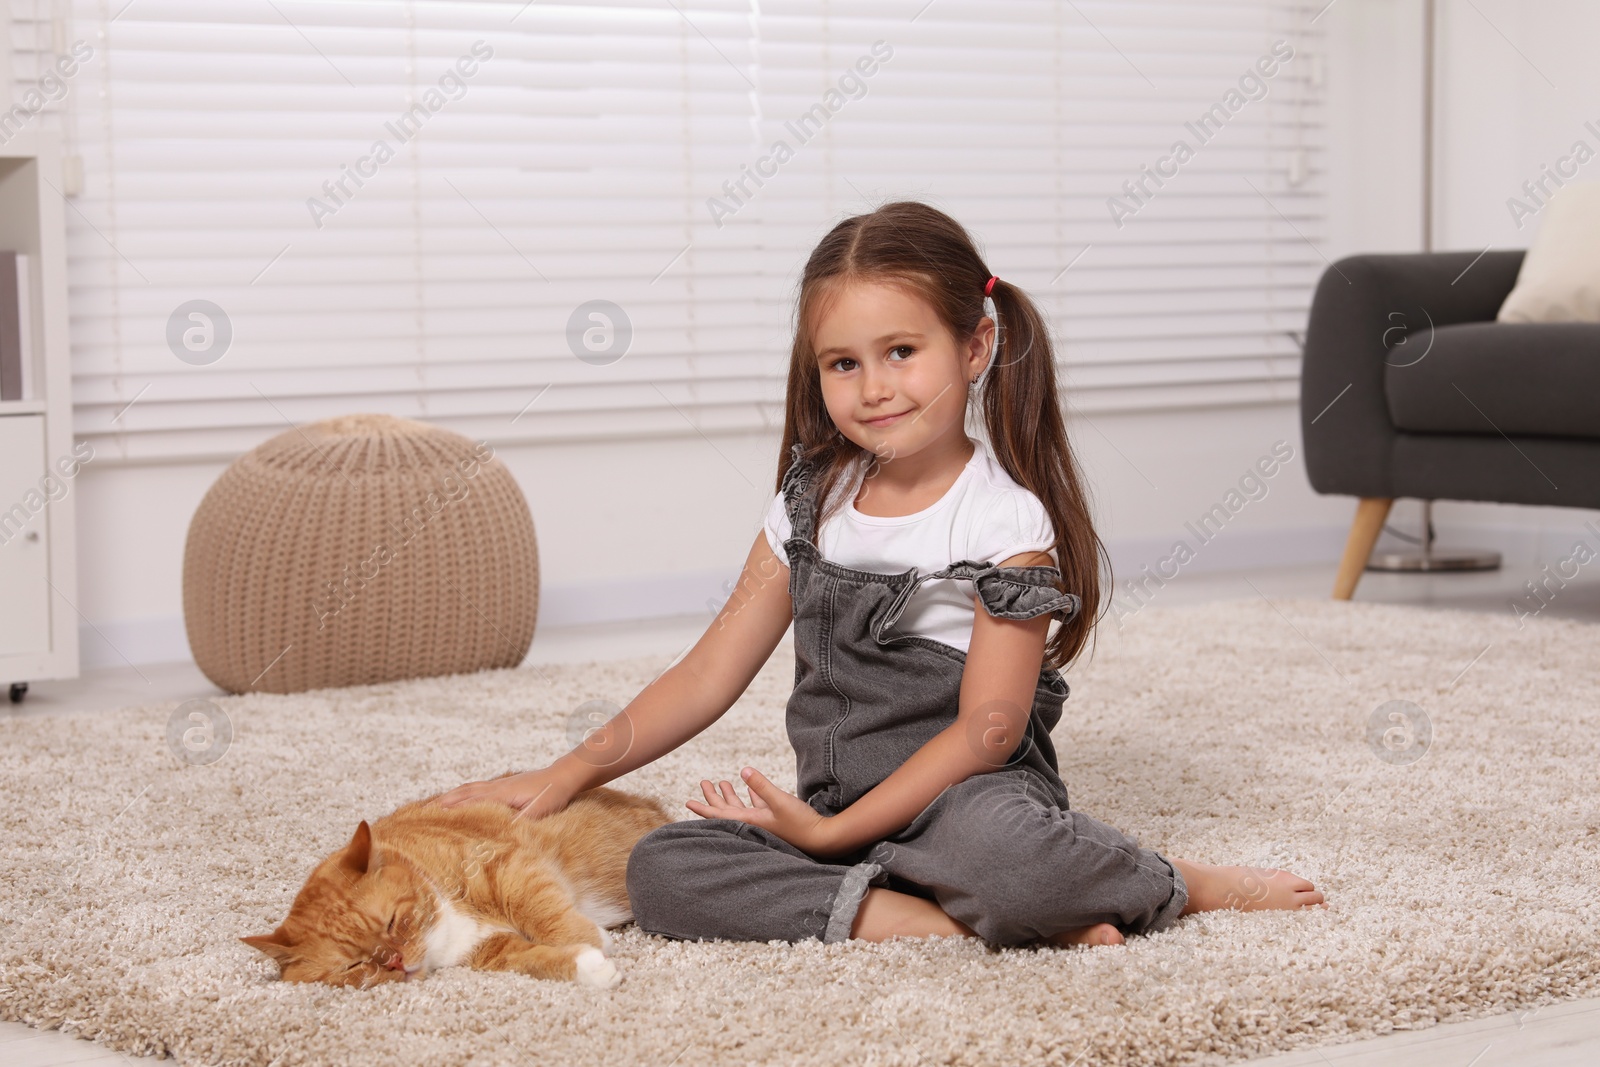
1428,558
1465,559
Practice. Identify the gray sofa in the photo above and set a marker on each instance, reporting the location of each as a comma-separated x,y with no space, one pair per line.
1409,388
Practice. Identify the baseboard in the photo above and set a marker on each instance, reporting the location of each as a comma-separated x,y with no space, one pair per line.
163,639
160,639
1227,550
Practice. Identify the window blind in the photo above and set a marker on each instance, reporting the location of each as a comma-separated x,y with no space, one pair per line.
624,152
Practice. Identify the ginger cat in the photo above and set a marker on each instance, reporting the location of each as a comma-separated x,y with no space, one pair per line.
474,885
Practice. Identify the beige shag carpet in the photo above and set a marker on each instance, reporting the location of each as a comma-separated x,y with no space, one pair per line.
1463,881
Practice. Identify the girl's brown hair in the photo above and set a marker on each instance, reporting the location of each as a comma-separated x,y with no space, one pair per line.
927,252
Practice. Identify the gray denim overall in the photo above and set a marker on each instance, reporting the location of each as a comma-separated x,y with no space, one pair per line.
1000,851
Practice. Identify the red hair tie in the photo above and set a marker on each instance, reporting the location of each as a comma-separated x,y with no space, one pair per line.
988,286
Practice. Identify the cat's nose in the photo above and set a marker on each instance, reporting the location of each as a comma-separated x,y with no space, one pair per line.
396,963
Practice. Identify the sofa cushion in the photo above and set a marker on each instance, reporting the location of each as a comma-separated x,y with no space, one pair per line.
1560,276
1539,378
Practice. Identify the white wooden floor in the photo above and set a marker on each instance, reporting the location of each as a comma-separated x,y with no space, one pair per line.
1566,1034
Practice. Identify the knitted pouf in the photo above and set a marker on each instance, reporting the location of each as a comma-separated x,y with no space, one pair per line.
355,550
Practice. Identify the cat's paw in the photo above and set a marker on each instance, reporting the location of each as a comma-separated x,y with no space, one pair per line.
595,971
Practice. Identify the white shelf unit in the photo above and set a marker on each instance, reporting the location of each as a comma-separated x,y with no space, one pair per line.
38,545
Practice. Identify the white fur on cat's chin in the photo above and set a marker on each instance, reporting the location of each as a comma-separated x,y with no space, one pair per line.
595,971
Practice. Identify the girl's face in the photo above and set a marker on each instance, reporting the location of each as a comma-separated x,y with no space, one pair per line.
893,378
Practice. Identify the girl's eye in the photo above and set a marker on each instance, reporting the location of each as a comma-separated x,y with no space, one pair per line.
845,363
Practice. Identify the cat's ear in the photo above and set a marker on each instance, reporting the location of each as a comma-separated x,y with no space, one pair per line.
273,944
358,853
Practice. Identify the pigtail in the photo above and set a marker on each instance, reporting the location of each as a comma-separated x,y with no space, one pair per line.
1022,414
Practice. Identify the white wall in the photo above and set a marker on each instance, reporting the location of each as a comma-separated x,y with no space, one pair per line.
1523,83
635,529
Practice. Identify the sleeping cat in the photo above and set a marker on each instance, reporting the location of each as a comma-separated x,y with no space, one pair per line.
475,885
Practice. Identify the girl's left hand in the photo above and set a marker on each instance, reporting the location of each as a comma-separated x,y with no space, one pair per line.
770,808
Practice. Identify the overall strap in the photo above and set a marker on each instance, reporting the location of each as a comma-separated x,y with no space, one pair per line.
1005,592
801,509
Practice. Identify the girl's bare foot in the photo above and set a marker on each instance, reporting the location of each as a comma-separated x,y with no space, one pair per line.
1098,934
884,913
1213,888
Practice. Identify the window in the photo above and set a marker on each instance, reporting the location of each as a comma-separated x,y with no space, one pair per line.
409,207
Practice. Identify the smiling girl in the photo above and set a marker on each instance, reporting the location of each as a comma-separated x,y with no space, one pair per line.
921,570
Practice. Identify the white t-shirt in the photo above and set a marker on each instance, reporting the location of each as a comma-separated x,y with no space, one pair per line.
985,515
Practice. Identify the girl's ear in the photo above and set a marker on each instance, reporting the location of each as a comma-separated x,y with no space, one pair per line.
980,348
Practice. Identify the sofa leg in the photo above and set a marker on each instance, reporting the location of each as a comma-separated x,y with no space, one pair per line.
1371,513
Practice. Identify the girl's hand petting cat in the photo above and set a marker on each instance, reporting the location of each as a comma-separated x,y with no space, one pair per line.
770,808
535,793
